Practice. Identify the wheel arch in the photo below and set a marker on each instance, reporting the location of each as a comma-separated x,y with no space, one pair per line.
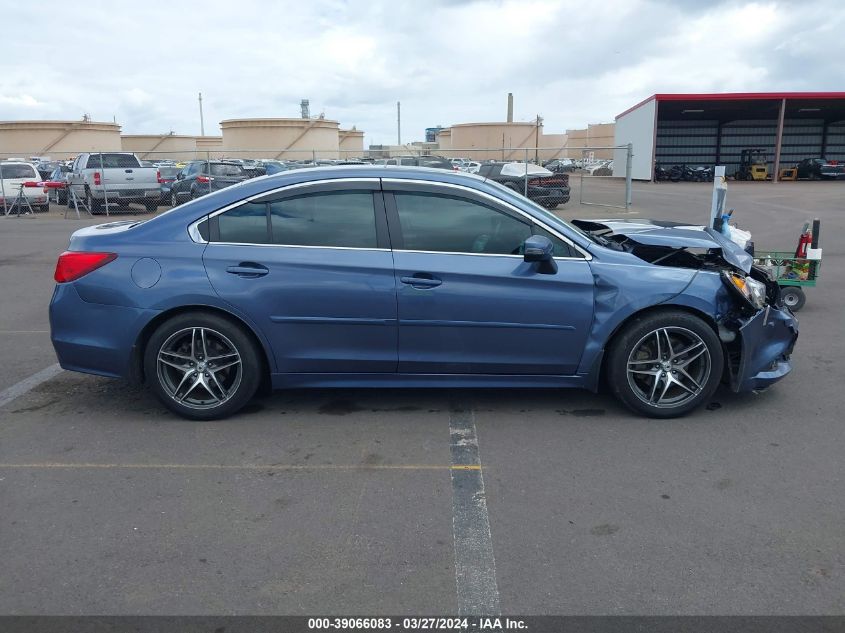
599,369
137,359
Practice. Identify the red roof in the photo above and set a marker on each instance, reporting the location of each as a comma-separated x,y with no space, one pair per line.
738,96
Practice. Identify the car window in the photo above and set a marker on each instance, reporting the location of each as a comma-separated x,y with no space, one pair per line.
224,169
245,224
18,171
433,222
342,218
112,161
562,249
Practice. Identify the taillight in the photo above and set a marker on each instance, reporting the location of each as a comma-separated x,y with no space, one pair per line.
97,180
203,179
72,265
158,177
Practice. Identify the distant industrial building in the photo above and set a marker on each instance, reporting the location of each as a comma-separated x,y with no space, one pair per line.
713,129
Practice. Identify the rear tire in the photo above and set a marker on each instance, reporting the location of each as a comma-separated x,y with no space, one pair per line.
45,208
665,364
174,200
94,205
793,297
202,366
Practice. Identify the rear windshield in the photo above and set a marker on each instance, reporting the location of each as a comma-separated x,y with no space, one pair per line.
222,169
18,171
168,172
112,161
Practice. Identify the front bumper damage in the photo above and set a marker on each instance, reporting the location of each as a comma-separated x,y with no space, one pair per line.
759,355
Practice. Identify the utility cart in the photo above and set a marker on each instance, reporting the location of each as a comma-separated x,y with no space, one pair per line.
794,270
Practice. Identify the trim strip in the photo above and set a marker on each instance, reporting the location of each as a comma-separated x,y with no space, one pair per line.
193,231
331,320
483,324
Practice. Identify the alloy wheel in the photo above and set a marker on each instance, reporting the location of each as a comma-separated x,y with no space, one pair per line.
199,368
668,367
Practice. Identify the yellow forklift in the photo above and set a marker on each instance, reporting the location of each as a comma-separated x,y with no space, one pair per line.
753,165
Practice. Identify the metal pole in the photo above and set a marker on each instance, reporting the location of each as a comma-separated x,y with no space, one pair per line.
202,121
779,139
630,154
3,188
398,123
526,172
105,189
537,141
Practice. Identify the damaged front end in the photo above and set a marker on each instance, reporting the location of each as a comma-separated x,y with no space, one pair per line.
757,332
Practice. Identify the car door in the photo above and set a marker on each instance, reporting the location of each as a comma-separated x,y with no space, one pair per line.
467,300
312,268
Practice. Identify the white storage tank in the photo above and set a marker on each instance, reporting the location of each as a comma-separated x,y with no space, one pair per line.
280,138
57,139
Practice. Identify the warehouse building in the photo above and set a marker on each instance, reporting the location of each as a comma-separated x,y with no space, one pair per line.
713,129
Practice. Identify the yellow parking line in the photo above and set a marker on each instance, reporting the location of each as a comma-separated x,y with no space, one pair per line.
264,467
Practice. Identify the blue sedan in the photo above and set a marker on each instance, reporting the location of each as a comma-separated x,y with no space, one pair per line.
380,276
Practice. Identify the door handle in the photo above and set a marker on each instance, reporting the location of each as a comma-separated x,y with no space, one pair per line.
421,282
248,269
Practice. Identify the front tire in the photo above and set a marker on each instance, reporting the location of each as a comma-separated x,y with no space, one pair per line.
202,366
665,364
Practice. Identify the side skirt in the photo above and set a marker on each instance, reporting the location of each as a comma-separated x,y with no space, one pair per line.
288,381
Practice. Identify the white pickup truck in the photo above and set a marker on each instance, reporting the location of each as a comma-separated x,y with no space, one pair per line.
113,177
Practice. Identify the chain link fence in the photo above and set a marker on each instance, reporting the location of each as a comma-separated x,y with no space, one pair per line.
115,182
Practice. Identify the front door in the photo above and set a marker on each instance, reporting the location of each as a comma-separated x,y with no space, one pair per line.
313,269
468,303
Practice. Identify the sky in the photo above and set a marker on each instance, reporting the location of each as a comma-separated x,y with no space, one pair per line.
143,63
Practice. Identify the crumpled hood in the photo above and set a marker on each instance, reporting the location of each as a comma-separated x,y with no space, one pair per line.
671,234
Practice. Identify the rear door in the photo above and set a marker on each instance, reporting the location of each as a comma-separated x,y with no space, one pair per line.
468,302
312,268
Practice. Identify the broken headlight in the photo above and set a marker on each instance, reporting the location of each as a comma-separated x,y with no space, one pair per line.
751,290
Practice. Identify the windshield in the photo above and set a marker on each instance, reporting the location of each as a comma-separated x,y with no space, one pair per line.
168,172
17,171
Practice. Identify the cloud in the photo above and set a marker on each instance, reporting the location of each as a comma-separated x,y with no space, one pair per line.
446,61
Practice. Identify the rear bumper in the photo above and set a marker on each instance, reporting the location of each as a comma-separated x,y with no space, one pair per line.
541,195
130,194
766,343
94,338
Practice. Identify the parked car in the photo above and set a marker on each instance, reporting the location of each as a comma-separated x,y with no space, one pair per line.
816,168
472,167
387,277
274,166
166,177
117,177
13,179
437,162
201,177
560,165
46,168
544,187
59,174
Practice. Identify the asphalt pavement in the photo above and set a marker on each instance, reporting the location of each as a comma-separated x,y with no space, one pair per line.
352,501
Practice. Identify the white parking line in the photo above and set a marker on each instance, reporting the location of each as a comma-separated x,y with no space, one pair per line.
27,384
475,566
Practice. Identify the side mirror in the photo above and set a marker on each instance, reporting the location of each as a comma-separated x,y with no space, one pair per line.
540,249
180,176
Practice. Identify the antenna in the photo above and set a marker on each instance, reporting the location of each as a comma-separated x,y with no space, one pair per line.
398,123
